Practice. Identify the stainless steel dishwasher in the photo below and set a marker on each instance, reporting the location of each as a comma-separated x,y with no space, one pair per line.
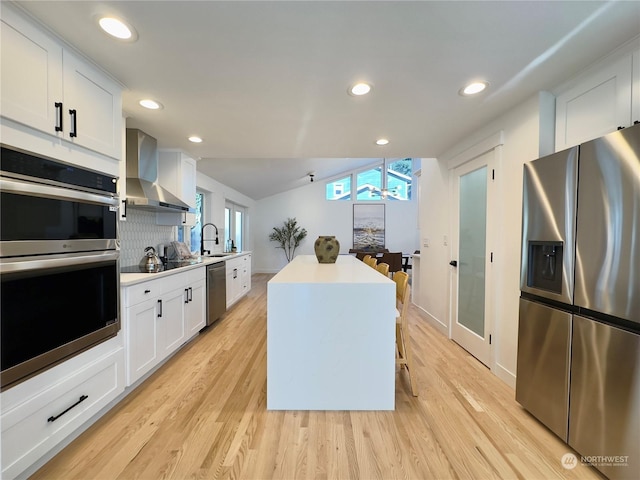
216,291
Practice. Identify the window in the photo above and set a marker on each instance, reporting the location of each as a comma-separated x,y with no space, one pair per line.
193,233
372,185
399,179
369,184
340,189
234,226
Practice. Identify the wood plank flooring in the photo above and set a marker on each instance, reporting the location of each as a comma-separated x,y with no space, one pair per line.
203,416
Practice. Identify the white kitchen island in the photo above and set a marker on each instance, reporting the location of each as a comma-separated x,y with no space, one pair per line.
330,337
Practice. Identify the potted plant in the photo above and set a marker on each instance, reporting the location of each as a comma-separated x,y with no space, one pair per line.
288,237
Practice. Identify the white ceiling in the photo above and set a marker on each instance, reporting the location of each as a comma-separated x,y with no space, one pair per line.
264,83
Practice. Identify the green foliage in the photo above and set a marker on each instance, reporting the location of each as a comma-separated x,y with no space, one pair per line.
288,237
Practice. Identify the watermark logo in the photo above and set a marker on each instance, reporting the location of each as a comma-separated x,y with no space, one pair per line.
569,461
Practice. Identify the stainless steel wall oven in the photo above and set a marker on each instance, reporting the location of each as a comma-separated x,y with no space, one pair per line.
59,262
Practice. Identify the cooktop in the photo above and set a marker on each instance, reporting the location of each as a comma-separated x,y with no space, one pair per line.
166,266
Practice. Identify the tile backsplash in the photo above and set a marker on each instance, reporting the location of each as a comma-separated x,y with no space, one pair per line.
140,231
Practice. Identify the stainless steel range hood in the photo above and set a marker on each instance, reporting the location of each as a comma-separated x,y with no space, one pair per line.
143,190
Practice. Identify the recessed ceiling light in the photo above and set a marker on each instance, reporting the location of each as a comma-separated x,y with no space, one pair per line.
150,104
473,88
360,88
195,139
382,141
117,28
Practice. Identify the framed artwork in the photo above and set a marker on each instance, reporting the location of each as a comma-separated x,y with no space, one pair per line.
368,226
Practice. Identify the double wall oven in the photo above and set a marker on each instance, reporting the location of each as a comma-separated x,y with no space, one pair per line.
59,262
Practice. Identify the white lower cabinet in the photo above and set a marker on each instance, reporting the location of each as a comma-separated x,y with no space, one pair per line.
196,308
41,412
238,276
160,315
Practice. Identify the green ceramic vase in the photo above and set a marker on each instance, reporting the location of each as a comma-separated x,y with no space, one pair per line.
327,249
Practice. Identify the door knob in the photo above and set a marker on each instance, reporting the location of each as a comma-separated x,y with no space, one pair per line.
453,263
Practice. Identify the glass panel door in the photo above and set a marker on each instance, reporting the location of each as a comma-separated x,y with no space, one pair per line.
471,286
471,250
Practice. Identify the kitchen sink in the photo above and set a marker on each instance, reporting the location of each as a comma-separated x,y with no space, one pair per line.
219,254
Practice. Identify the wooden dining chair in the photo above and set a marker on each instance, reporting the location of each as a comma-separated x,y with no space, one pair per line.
404,353
372,262
366,257
383,268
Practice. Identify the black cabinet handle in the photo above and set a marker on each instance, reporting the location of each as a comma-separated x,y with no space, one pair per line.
453,263
124,209
184,218
186,295
74,123
147,291
159,308
58,106
190,294
54,418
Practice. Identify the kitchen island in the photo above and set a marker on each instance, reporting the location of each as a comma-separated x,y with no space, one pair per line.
330,337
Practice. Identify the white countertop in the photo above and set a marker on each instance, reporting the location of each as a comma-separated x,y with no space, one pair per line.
127,279
347,269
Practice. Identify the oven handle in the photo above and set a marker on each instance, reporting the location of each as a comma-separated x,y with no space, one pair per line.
40,262
48,191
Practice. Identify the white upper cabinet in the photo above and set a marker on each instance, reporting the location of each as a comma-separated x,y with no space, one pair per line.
598,102
31,75
177,173
48,88
92,107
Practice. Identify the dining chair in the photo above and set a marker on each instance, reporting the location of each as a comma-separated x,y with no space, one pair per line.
404,353
394,259
365,258
371,261
383,268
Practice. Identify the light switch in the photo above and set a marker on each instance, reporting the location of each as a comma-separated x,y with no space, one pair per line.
425,242
445,240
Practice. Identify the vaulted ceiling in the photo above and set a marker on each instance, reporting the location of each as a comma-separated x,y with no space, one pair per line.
264,83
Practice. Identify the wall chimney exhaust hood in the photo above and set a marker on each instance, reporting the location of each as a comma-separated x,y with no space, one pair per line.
143,190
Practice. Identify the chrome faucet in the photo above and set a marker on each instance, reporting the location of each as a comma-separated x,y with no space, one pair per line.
202,240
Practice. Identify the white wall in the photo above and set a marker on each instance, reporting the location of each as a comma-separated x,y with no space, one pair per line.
216,194
521,130
321,217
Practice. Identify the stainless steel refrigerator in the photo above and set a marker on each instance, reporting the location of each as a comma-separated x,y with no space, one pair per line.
579,327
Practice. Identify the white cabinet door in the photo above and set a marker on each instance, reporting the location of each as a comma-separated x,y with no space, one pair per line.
231,287
188,174
42,84
598,105
247,274
171,317
177,173
141,333
196,308
97,103
31,67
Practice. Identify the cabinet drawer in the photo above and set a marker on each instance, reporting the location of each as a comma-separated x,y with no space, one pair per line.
141,292
34,427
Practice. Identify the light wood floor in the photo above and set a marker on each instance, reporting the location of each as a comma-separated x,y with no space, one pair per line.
203,416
